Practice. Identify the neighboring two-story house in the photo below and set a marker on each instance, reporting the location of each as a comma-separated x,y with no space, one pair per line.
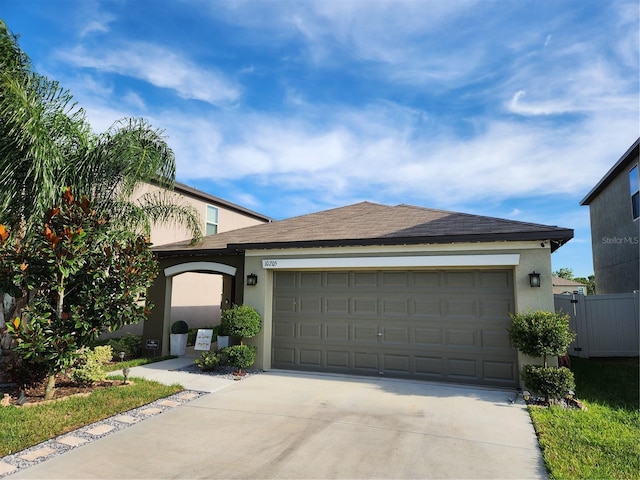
614,207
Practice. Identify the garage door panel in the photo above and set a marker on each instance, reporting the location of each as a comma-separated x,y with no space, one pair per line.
364,279
310,357
285,279
500,279
284,356
436,325
463,368
460,307
461,339
424,307
284,305
366,361
363,333
503,372
310,305
394,279
496,339
428,337
426,280
337,332
336,305
460,279
310,331
429,365
364,306
397,364
395,336
284,330
337,359
498,308
394,308
310,279
337,279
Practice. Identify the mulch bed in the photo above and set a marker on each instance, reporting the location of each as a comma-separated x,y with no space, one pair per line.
571,403
65,388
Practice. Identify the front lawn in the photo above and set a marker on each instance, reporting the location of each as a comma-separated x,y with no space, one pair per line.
23,427
604,441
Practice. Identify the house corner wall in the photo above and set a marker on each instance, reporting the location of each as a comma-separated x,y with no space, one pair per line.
260,298
529,299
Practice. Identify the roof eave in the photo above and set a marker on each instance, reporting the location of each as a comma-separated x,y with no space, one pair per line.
557,238
613,172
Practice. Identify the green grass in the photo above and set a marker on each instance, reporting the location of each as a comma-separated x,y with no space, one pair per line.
604,441
23,427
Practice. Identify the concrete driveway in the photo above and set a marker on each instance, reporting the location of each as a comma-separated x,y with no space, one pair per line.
296,425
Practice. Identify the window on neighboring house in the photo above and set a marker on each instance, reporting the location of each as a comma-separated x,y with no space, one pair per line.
212,220
634,183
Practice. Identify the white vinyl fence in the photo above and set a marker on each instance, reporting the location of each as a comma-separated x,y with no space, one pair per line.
606,325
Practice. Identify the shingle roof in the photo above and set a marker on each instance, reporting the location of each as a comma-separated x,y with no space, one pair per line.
373,224
563,282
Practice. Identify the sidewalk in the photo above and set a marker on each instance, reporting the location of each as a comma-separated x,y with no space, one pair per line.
167,372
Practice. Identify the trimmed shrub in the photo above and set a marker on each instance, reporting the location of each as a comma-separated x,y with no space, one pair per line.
130,344
89,367
541,333
208,361
179,327
241,321
552,383
240,356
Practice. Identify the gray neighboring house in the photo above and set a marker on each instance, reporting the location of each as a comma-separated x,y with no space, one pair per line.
614,208
371,289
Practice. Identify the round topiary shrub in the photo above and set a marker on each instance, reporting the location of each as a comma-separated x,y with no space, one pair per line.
208,361
541,333
241,321
240,356
179,327
550,382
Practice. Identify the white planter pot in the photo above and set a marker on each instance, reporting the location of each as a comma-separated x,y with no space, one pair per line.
178,344
223,341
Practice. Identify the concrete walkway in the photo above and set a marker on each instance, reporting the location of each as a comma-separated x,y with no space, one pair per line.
295,425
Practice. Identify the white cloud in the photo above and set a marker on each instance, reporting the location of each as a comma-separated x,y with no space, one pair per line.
159,67
379,152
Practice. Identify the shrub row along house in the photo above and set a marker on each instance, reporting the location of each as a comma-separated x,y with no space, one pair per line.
371,289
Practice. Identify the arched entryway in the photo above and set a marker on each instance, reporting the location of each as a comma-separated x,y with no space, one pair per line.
157,328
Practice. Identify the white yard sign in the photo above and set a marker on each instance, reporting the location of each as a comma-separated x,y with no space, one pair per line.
203,339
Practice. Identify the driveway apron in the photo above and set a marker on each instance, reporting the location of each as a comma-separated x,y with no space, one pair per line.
296,425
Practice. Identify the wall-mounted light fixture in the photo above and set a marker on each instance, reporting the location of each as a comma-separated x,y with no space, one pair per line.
252,279
534,279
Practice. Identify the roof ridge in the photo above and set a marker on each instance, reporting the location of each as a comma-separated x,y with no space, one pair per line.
502,220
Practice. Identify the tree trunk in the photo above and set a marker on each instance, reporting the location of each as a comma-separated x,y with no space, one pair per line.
50,389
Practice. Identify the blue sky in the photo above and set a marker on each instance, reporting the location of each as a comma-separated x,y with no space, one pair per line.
512,109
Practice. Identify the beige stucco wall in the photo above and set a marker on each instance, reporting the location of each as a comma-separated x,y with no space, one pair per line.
228,219
196,296
532,256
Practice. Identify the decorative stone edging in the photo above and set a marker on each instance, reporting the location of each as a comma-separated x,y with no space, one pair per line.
28,457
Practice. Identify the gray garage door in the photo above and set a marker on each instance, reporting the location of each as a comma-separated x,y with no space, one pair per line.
435,325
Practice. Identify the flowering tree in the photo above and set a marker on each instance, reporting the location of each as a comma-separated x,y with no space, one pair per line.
81,276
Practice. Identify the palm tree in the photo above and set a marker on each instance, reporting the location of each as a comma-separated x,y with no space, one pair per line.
47,145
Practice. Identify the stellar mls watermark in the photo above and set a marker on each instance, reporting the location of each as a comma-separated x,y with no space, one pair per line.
621,240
